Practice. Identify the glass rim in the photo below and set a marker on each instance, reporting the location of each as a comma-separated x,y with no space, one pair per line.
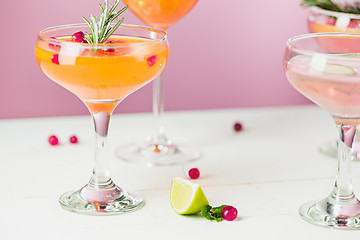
290,41
333,13
59,42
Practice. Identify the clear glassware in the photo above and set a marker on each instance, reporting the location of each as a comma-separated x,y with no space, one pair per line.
325,67
102,75
158,149
320,20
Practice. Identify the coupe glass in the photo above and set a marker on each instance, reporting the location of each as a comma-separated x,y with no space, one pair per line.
325,67
158,150
101,75
321,20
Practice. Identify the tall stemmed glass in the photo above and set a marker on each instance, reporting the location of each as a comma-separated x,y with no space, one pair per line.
102,75
159,150
320,20
325,68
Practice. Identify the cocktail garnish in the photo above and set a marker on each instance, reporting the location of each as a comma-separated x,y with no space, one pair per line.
79,37
226,212
100,28
55,58
151,60
229,213
353,8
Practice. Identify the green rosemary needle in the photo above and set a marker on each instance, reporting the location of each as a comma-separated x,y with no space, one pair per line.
353,8
100,28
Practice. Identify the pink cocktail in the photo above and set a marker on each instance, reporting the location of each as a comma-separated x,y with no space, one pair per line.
331,79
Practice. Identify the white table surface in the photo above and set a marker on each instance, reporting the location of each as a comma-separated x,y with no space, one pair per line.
266,171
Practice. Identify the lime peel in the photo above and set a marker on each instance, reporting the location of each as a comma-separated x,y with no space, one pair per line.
186,197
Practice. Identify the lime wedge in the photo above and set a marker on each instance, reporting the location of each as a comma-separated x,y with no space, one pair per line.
186,197
339,69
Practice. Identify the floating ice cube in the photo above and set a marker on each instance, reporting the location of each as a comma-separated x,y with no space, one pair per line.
68,53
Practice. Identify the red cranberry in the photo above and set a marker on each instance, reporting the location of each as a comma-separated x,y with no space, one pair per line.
194,173
229,213
109,50
114,41
353,24
50,44
53,140
151,60
238,127
73,139
331,21
55,58
79,37
54,46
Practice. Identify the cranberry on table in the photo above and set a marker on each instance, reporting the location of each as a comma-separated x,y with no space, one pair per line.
194,173
53,140
238,127
73,139
229,213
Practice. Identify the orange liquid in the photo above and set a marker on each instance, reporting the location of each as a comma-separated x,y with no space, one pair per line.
160,13
103,78
332,44
318,28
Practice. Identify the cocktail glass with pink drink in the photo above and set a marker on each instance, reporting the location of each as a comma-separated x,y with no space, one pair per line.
321,20
331,79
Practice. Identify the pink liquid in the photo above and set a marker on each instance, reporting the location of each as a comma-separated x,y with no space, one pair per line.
338,93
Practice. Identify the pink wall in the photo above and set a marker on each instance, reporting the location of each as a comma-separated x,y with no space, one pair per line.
224,54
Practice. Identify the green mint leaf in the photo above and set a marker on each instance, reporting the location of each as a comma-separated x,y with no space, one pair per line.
205,212
212,213
219,207
216,213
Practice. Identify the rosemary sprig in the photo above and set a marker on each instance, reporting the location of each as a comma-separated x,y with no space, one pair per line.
353,8
101,28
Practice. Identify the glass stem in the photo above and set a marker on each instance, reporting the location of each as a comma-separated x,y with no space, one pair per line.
101,174
101,188
343,191
158,108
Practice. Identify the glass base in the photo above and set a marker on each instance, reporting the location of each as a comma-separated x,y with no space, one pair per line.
153,155
330,215
95,202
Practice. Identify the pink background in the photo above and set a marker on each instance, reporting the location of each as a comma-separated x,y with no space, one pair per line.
223,54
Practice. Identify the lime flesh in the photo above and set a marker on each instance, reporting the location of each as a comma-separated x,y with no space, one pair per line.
186,197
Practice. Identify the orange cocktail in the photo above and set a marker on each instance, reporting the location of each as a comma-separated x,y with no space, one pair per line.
109,73
159,150
160,13
101,74
321,20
